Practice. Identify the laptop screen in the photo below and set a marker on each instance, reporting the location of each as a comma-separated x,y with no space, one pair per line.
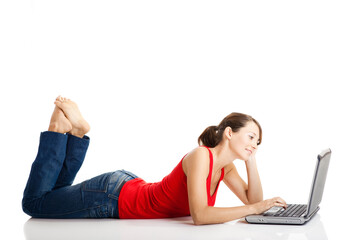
319,179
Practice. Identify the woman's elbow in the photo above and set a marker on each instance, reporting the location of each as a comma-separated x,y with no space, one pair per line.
198,222
198,219
253,201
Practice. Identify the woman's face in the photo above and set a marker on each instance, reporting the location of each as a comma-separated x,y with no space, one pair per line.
244,142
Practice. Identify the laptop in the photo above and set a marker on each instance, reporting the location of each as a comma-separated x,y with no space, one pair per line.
299,213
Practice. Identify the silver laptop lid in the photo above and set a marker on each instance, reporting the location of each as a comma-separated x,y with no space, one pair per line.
317,188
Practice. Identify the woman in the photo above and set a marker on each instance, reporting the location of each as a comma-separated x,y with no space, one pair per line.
190,189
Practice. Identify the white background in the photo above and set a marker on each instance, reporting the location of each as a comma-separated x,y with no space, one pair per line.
150,76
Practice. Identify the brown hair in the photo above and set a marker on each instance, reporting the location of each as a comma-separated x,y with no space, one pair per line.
213,135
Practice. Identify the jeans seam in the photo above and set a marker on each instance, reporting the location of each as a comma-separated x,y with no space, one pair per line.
100,191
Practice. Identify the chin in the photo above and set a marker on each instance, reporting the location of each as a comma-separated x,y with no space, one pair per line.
244,158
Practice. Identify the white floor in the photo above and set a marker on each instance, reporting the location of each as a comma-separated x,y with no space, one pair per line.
176,228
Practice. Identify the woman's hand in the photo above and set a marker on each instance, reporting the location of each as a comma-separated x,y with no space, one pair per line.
252,156
254,190
265,205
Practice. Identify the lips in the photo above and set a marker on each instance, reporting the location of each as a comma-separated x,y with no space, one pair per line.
248,150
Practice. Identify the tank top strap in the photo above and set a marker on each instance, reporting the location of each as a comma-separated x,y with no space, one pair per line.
211,165
211,160
212,198
222,174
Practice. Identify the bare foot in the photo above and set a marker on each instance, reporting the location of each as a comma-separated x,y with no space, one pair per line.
59,123
79,126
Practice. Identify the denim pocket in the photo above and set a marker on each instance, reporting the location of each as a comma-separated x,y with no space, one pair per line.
117,180
97,184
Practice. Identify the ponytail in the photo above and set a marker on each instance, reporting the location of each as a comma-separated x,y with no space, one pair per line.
209,137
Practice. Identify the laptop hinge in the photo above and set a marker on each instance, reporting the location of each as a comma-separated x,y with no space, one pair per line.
312,214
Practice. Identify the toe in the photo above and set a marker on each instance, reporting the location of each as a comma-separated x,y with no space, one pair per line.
57,103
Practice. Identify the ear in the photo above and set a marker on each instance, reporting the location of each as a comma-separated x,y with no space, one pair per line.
228,132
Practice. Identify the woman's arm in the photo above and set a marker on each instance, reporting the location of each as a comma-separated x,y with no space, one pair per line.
247,193
212,215
254,192
235,183
196,166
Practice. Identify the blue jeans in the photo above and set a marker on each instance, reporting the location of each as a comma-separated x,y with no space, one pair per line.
49,192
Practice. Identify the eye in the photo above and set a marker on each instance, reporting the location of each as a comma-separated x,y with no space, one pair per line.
251,137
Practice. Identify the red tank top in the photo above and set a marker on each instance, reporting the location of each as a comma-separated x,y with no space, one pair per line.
168,198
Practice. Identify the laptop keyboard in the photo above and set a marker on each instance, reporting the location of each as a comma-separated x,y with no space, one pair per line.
292,210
